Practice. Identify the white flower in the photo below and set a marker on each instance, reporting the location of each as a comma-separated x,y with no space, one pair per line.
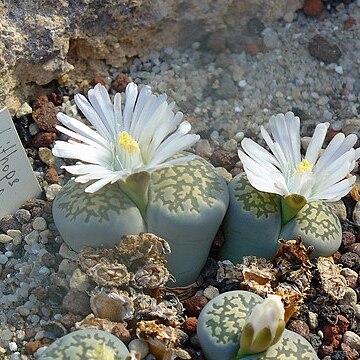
285,172
264,326
141,137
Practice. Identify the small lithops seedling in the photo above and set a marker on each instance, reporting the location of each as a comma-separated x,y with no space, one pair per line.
87,344
134,177
241,325
285,187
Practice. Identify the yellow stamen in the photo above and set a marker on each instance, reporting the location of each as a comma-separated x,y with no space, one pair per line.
305,166
128,143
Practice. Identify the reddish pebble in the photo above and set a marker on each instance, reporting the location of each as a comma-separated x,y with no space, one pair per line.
120,331
69,320
45,116
39,102
56,98
190,325
43,139
332,335
348,238
342,324
120,82
224,158
252,49
195,304
325,350
98,80
349,23
336,256
300,327
350,353
313,7
51,176
32,346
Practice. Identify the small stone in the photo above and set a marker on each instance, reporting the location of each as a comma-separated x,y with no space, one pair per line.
350,297
12,346
203,148
5,239
39,224
23,110
41,293
32,238
195,304
67,266
46,156
6,335
289,17
313,320
3,259
242,83
230,145
350,353
356,214
67,253
352,126
190,325
350,260
271,39
98,80
52,190
120,331
352,339
120,82
80,281
210,292
32,346
51,176
339,208
354,248
43,139
300,327
77,302
349,23
255,25
323,50
44,115
339,69
69,320
140,346
9,222
252,48
23,216
222,158
348,238
313,7
33,129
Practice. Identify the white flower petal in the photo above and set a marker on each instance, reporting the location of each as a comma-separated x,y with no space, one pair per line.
316,143
99,184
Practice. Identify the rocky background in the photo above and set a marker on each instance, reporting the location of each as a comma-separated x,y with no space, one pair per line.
43,40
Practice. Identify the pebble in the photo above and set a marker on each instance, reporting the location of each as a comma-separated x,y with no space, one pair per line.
39,224
23,216
5,239
289,17
350,297
77,302
190,325
211,292
195,304
44,114
43,139
23,110
3,259
140,346
352,126
230,145
300,327
313,320
222,158
32,238
352,339
51,191
313,7
67,253
323,50
80,281
271,39
33,129
46,156
339,69
9,222
6,335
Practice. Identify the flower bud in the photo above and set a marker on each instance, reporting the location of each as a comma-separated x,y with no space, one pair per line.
263,328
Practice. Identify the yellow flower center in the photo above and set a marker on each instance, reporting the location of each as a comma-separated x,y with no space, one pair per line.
102,352
127,143
304,166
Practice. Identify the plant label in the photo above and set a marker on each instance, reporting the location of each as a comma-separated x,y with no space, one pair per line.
17,179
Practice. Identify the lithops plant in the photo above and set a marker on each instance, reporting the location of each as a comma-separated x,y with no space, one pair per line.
87,344
134,177
228,323
285,192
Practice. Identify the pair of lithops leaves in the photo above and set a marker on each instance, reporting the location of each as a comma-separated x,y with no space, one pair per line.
255,221
88,344
220,330
184,204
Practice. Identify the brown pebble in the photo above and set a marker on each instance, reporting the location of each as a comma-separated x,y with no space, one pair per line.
300,327
43,139
40,292
348,238
29,333
120,331
44,116
56,98
69,320
120,82
336,256
225,159
252,48
349,23
332,335
354,248
190,325
350,353
325,350
77,302
323,50
32,346
342,324
48,260
313,7
51,176
98,80
39,102
195,304
9,222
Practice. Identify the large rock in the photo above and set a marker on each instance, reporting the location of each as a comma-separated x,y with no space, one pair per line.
41,40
